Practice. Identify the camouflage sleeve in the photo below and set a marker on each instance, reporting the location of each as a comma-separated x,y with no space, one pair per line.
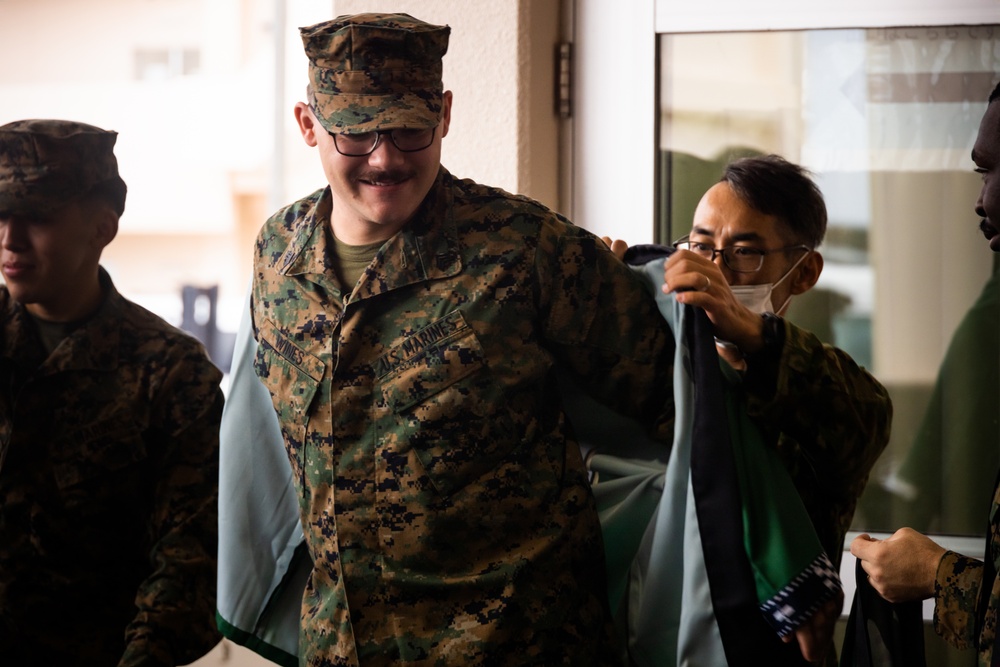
175,622
603,324
956,592
836,411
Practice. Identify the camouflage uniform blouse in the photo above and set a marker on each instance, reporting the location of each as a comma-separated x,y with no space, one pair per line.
108,491
957,590
442,494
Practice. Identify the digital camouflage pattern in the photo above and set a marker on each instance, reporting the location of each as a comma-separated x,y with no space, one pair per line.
47,163
956,596
443,497
108,491
374,71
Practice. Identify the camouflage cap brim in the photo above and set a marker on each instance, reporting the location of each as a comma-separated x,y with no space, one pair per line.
25,194
354,114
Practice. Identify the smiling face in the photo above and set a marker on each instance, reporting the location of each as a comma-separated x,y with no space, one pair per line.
986,155
50,261
374,195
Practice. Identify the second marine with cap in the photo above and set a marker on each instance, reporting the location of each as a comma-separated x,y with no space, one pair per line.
109,428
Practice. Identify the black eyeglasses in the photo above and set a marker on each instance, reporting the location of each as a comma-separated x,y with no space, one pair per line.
405,139
739,258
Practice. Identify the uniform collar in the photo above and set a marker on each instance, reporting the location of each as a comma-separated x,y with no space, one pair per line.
425,249
92,346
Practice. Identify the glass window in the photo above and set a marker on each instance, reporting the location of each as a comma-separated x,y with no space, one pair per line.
885,119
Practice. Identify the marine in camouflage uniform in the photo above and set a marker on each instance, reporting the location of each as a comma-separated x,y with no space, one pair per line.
967,594
967,590
444,501
445,504
108,438
828,417
909,565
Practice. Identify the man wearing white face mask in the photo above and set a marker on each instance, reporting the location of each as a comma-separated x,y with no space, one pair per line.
758,298
754,236
752,247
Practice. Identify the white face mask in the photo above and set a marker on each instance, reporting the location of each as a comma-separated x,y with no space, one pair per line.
758,297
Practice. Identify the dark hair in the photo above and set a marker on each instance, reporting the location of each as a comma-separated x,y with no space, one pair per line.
113,192
774,186
995,94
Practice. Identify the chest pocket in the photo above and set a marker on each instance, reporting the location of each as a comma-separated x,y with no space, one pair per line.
448,406
292,376
104,446
100,461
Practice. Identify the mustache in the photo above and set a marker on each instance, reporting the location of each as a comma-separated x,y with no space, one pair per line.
385,176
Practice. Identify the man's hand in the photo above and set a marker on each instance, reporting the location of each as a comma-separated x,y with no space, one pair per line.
902,567
699,282
815,636
618,247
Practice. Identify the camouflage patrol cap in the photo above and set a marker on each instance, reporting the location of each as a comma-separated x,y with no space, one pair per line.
373,71
45,164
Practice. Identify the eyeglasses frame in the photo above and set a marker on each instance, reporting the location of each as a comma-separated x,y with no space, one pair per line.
722,251
378,139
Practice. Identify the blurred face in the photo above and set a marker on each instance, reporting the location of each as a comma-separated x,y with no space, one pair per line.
49,262
722,219
986,155
374,195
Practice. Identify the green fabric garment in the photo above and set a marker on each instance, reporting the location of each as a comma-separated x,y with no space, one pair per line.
780,540
779,537
655,587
